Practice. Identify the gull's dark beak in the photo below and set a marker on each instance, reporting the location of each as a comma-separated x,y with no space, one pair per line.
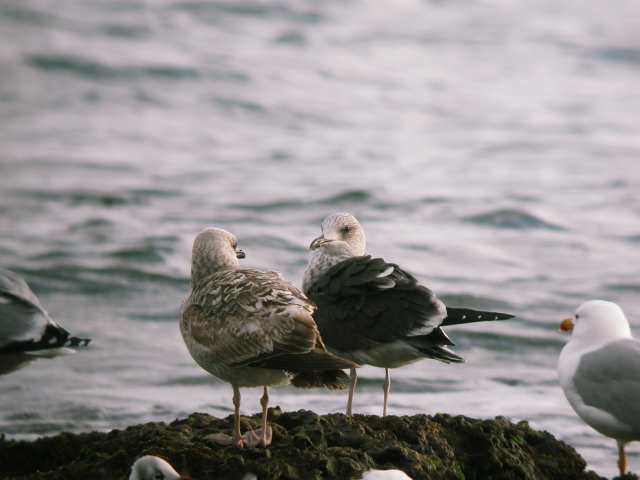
318,242
240,253
566,325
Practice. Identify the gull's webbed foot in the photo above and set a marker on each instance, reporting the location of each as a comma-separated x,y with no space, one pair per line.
226,440
258,438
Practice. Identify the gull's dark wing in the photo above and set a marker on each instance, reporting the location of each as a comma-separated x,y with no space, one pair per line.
364,302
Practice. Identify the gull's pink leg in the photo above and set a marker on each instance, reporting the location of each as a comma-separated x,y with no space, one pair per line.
353,375
386,387
237,436
622,458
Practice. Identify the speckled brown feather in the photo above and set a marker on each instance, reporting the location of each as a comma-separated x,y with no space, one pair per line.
253,318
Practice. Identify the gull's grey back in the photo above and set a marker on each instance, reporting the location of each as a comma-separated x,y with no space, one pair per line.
609,379
13,285
21,314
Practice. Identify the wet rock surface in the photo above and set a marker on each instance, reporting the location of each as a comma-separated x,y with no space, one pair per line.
307,446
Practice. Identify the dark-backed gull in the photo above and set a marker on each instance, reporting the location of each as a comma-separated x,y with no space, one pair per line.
373,312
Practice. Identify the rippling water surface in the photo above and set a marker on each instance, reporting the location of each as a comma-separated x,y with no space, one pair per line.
491,147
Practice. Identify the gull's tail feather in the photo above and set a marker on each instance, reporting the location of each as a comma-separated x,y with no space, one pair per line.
54,336
435,346
457,316
331,379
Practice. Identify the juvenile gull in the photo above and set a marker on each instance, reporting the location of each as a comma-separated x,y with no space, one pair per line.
372,312
151,467
25,326
599,370
252,328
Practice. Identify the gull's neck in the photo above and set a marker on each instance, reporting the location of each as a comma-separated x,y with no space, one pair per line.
202,267
584,343
320,262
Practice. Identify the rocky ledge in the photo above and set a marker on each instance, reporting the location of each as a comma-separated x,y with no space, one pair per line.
307,446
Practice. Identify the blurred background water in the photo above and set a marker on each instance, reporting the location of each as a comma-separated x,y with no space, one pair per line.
490,147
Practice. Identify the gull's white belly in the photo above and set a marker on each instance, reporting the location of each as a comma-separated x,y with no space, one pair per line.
598,419
390,355
239,376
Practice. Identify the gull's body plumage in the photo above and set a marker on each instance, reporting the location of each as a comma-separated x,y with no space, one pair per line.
25,326
235,317
252,328
599,371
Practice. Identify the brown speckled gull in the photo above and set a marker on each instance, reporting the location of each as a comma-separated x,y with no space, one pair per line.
252,328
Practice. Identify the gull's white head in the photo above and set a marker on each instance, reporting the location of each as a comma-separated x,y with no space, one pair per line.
214,249
150,467
597,321
342,227
394,474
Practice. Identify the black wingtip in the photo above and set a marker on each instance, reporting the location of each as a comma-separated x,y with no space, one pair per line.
502,316
457,316
77,342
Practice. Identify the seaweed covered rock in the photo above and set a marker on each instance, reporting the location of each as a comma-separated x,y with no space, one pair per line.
306,446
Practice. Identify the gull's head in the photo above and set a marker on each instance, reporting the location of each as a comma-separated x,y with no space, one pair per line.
597,321
215,249
150,467
342,227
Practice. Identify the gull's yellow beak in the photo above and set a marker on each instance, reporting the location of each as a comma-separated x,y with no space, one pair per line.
566,325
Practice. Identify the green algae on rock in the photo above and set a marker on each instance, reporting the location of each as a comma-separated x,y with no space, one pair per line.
307,446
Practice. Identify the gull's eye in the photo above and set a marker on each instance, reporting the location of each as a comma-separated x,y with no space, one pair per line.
345,229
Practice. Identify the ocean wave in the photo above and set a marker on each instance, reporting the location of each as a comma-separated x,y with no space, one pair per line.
92,280
147,253
15,13
252,9
506,343
626,55
190,380
633,238
348,196
291,37
126,31
235,104
512,219
464,300
270,241
338,199
163,316
623,287
88,68
136,196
